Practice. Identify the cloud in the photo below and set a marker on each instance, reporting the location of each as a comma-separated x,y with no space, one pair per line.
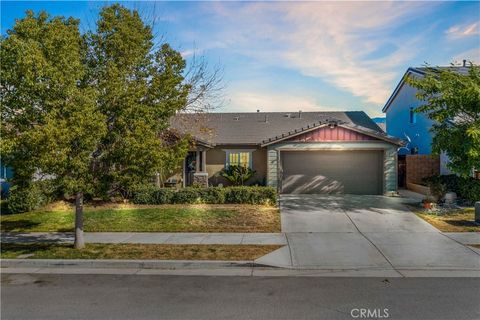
472,55
239,100
325,40
465,30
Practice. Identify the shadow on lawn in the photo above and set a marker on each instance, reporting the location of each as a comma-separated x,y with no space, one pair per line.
462,223
30,248
18,224
29,238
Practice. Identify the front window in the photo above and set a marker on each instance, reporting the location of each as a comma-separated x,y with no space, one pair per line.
413,116
239,158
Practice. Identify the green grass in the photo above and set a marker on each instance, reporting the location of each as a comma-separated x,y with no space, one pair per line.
455,221
171,218
135,251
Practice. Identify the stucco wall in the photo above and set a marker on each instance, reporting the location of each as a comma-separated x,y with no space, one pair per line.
389,161
398,121
216,159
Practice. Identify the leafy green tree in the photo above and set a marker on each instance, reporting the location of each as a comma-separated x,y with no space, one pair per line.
93,111
50,123
141,90
237,175
452,100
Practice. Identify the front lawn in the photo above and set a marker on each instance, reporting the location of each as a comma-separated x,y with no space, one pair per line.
136,251
165,218
455,221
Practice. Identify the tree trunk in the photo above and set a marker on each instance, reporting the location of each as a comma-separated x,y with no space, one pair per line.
79,242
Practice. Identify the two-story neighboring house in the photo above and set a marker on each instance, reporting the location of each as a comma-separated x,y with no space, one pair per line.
403,122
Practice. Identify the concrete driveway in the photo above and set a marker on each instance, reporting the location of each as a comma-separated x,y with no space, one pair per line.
363,232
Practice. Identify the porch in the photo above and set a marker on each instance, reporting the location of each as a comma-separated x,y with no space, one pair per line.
194,168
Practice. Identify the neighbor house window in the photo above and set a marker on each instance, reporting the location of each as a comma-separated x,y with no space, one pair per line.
413,116
239,158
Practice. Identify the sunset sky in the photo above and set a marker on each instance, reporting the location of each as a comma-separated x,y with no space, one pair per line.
308,56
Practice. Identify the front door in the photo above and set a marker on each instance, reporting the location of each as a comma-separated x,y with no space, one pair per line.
190,165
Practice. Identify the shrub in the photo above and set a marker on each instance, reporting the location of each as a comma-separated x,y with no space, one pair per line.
187,195
466,188
251,195
212,195
237,175
150,194
26,198
237,194
268,195
163,195
144,194
470,189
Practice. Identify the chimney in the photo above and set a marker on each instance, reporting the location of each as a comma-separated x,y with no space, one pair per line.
258,110
299,114
464,62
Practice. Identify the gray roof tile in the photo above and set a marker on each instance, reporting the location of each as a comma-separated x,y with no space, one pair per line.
258,127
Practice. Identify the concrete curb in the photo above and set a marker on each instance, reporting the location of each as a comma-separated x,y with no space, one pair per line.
210,268
120,264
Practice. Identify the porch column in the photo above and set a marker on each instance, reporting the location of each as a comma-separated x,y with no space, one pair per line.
204,161
197,161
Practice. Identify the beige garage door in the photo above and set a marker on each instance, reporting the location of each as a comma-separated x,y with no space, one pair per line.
332,172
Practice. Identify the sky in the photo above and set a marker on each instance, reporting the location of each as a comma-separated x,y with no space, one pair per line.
309,56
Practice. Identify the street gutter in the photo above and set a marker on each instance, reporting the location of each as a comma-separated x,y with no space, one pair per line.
209,268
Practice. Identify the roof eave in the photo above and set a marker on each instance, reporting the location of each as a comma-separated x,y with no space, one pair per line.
358,129
294,134
399,86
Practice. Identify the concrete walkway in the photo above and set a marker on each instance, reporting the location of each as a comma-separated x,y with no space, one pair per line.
149,238
363,232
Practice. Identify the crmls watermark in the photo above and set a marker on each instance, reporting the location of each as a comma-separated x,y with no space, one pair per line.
366,313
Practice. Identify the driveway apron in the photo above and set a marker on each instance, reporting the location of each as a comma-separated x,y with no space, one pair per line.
358,231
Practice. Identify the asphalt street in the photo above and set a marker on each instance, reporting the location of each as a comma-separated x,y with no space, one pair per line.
61,296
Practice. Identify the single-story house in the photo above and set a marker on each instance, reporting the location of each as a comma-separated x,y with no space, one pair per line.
295,152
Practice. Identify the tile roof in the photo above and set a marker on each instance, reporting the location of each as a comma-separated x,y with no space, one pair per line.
257,128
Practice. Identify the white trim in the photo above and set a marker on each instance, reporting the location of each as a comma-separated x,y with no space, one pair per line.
250,158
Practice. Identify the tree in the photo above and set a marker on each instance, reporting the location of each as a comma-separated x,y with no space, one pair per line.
141,89
93,111
50,123
452,100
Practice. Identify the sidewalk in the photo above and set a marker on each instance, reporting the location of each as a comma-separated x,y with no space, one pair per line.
149,238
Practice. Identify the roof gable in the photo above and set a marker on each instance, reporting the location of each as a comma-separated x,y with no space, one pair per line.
419,71
363,133
337,133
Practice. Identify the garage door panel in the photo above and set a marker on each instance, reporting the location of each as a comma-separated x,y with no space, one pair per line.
332,172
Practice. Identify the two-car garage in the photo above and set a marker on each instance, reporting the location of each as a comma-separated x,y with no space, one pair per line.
332,171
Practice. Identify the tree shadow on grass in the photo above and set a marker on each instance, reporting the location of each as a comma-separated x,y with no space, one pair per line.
16,249
18,224
33,238
462,223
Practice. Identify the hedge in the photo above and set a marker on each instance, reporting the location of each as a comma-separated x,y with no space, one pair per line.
25,199
212,195
465,188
